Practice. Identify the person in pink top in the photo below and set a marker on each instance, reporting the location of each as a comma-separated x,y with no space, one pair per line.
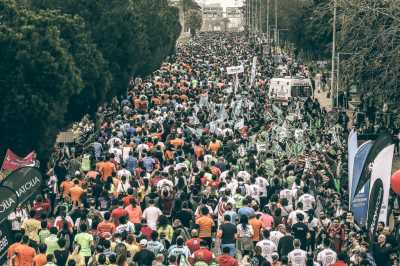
266,219
134,212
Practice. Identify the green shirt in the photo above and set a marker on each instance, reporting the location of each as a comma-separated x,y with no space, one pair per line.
85,240
43,234
51,243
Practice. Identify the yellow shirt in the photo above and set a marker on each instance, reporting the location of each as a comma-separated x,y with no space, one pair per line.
32,227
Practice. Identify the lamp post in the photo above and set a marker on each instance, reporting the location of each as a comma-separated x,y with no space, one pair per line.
333,49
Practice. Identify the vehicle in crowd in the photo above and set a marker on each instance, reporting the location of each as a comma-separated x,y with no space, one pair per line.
283,89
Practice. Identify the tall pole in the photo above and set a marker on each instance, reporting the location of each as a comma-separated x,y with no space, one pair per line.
337,79
276,21
333,50
268,36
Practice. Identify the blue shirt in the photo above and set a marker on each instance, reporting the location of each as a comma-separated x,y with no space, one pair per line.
148,163
131,163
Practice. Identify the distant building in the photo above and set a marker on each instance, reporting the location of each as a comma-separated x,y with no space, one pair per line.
218,18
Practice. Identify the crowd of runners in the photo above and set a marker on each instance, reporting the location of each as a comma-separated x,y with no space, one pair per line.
196,167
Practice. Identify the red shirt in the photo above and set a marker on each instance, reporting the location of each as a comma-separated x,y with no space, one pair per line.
117,213
105,229
202,254
146,231
339,263
226,260
193,244
127,200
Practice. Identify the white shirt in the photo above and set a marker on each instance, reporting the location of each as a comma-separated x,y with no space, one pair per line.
117,153
262,184
124,172
308,200
293,216
267,248
151,215
275,236
111,142
297,257
286,194
327,257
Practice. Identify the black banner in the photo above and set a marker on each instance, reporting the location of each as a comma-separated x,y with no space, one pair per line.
8,202
375,204
26,182
6,239
382,142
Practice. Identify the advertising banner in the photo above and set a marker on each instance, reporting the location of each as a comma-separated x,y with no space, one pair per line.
359,202
12,161
26,182
381,172
382,142
8,202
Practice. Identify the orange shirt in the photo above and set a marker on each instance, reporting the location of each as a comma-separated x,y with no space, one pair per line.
11,251
257,225
40,260
205,223
25,255
134,214
66,186
76,193
177,142
107,168
214,146
105,227
198,151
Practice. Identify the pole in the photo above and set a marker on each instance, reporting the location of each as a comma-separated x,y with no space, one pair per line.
268,33
337,79
333,50
276,21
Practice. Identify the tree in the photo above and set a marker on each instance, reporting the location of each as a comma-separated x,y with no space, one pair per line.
134,37
38,77
194,21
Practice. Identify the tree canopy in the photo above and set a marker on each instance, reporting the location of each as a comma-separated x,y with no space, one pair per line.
61,58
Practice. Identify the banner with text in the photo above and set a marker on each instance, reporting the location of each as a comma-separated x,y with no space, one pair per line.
26,182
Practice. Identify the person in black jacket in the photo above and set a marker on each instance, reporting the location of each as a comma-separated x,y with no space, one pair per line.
381,251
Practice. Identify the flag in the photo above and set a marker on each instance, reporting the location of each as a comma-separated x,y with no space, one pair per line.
359,203
379,193
383,141
253,71
12,161
351,150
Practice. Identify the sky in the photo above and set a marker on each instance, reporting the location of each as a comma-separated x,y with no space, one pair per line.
224,3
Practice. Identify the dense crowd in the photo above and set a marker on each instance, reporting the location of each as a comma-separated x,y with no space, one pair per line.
198,167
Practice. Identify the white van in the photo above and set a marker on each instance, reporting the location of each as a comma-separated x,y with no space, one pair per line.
282,89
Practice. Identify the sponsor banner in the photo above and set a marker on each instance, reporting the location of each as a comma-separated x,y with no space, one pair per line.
382,142
26,182
235,70
8,202
359,202
381,172
352,150
12,161
375,199
6,239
